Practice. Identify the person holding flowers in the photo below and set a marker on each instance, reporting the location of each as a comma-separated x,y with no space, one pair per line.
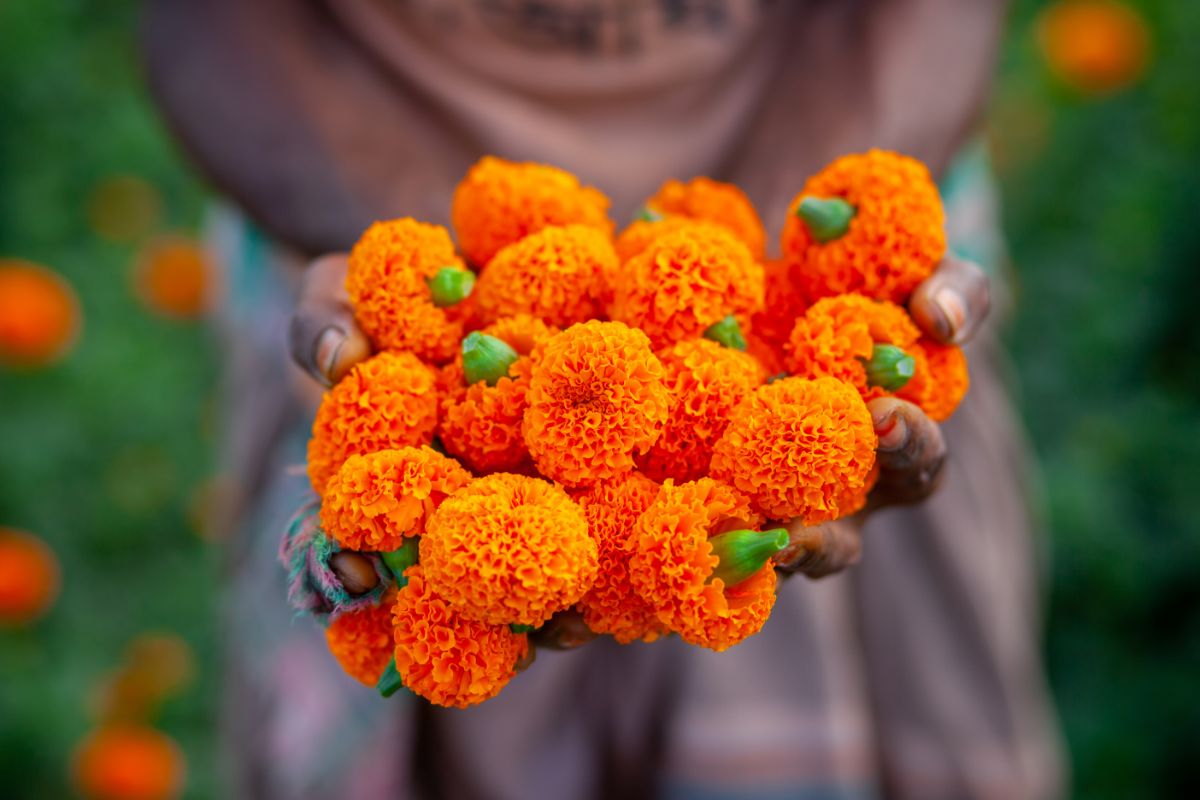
912,675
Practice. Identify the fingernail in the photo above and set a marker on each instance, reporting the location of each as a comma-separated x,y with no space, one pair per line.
892,432
329,344
953,312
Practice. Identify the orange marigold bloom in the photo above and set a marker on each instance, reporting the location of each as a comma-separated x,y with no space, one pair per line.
782,306
894,241
1094,46
838,334
509,549
481,424
388,401
798,448
685,281
173,277
500,202
596,397
377,499
125,761
387,279
612,605
706,381
673,563
641,232
361,640
713,201
29,577
445,657
39,314
940,381
556,274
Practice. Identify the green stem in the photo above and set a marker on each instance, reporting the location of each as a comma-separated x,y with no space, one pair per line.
450,286
826,218
389,682
402,558
742,553
516,627
889,367
486,358
727,332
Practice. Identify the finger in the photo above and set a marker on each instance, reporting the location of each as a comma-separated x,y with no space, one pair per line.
566,630
911,452
953,302
324,338
820,550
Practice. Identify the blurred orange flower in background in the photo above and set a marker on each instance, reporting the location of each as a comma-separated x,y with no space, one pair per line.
39,314
173,277
29,577
128,762
157,667
1094,46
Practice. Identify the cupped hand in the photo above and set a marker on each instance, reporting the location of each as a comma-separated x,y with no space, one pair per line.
949,307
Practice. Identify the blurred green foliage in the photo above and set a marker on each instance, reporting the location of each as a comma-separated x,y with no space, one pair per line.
103,453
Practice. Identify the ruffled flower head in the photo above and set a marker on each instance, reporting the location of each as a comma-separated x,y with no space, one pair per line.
686,281
481,423
596,397
612,606
556,274
706,380
798,448
377,499
641,232
870,223
445,657
840,337
783,305
940,381
500,202
712,201
405,283
509,549
361,640
676,568
388,401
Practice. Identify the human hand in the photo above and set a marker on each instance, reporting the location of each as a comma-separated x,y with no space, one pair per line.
323,337
949,307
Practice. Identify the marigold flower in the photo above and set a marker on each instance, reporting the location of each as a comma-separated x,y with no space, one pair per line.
480,424
783,305
388,401
1094,46
941,380
509,549
377,499
445,657
713,201
595,398
126,761
895,235
641,232
39,314
612,605
405,283
838,336
556,274
29,577
798,448
673,564
362,641
173,277
706,381
685,281
500,202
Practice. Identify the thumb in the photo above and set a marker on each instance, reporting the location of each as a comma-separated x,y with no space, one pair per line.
323,337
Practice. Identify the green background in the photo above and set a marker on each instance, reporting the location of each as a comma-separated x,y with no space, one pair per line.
103,454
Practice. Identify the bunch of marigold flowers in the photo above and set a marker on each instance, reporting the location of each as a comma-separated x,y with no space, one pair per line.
562,418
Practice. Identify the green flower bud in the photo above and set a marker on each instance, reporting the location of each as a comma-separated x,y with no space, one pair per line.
743,553
486,358
401,559
889,367
648,214
727,332
826,218
450,286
